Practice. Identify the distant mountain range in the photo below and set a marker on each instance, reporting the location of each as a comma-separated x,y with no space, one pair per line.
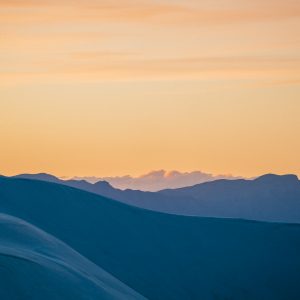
158,180
58,242
267,198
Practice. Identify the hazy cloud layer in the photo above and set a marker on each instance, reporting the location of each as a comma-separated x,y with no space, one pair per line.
158,180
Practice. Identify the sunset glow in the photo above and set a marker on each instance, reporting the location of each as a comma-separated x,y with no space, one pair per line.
105,88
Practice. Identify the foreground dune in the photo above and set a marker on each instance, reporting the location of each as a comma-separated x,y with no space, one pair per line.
35,265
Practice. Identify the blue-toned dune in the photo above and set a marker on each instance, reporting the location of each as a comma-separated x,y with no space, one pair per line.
163,256
35,265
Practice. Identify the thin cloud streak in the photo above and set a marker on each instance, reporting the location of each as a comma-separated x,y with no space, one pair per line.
142,11
122,66
56,39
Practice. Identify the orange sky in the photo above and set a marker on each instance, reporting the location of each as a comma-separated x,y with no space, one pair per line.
103,88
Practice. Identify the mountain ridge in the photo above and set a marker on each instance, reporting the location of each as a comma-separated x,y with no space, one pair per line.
269,197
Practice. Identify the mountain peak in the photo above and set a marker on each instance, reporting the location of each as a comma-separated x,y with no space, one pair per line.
103,184
273,178
39,176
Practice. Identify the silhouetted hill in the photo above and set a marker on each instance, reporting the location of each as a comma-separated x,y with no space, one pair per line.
289,179
100,186
39,176
148,200
267,198
162,256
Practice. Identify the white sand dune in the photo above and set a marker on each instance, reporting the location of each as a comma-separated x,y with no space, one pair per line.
35,265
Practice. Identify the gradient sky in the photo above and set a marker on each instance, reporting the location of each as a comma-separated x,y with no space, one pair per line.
104,88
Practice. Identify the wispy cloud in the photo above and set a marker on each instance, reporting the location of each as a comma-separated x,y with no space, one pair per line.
146,11
100,40
110,65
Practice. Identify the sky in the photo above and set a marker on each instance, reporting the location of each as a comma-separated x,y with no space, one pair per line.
109,88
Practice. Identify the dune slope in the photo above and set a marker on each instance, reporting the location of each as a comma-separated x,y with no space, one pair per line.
35,265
